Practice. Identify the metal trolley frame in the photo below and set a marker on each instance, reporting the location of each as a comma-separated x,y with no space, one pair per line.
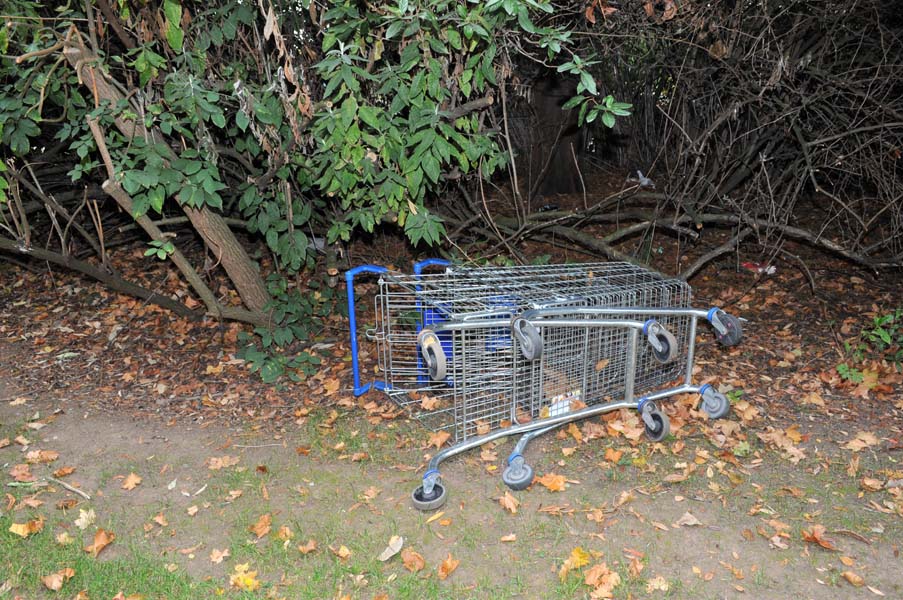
490,352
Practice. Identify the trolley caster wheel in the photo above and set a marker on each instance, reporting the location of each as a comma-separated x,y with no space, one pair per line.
665,339
527,335
656,422
433,354
518,478
430,501
715,404
733,329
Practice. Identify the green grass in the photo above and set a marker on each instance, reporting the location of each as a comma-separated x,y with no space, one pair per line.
25,561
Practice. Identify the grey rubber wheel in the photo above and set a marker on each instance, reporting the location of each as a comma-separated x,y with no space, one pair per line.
662,428
518,479
433,354
716,405
528,337
733,327
431,502
669,346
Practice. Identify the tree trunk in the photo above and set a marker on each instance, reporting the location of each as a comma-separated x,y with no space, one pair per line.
219,238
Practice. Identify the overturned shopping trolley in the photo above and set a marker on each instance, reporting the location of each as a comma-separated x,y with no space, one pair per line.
489,352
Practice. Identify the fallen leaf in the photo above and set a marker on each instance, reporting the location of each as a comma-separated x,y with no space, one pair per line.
343,552
192,510
22,473
55,581
216,463
509,502
435,517
28,528
64,539
217,556
393,548
847,561
448,567
612,455
438,438
657,584
508,538
285,533
863,439
816,536
687,520
871,485
63,472
578,558
875,591
102,539
429,403
41,456
67,503
4,442
553,482
243,578
413,562
853,578
160,520
262,526
307,548
131,482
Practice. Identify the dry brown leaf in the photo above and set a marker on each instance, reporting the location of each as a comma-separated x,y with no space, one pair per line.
28,528
863,439
438,438
192,510
262,526
160,520
393,548
63,472
816,535
847,561
429,403
612,455
602,364
448,567
102,539
4,442
342,552
687,520
853,578
657,584
215,463
285,533
55,581
217,556
307,548
509,502
41,456
871,485
553,482
22,473
511,537
131,482
413,562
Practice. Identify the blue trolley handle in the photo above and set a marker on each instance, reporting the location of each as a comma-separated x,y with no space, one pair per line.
430,262
352,324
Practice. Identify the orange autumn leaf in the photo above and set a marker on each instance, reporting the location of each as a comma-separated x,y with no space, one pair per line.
816,536
854,579
448,567
439,438
63,472
131,482
102,539
28,528
243,578
413,561
262,526
578,558
307,548
612,455
509,502
55,581
22,473
41,456
553,482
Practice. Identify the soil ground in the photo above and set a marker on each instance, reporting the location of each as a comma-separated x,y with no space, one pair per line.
727,509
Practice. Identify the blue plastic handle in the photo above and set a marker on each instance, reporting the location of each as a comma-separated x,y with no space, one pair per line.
352,323
430,262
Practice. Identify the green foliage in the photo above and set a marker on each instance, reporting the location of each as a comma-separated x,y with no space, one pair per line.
881,340
160,249
300,127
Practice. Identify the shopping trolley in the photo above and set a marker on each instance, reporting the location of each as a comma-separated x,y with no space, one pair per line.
489,352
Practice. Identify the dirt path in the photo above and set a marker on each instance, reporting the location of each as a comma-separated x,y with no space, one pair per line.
723,531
